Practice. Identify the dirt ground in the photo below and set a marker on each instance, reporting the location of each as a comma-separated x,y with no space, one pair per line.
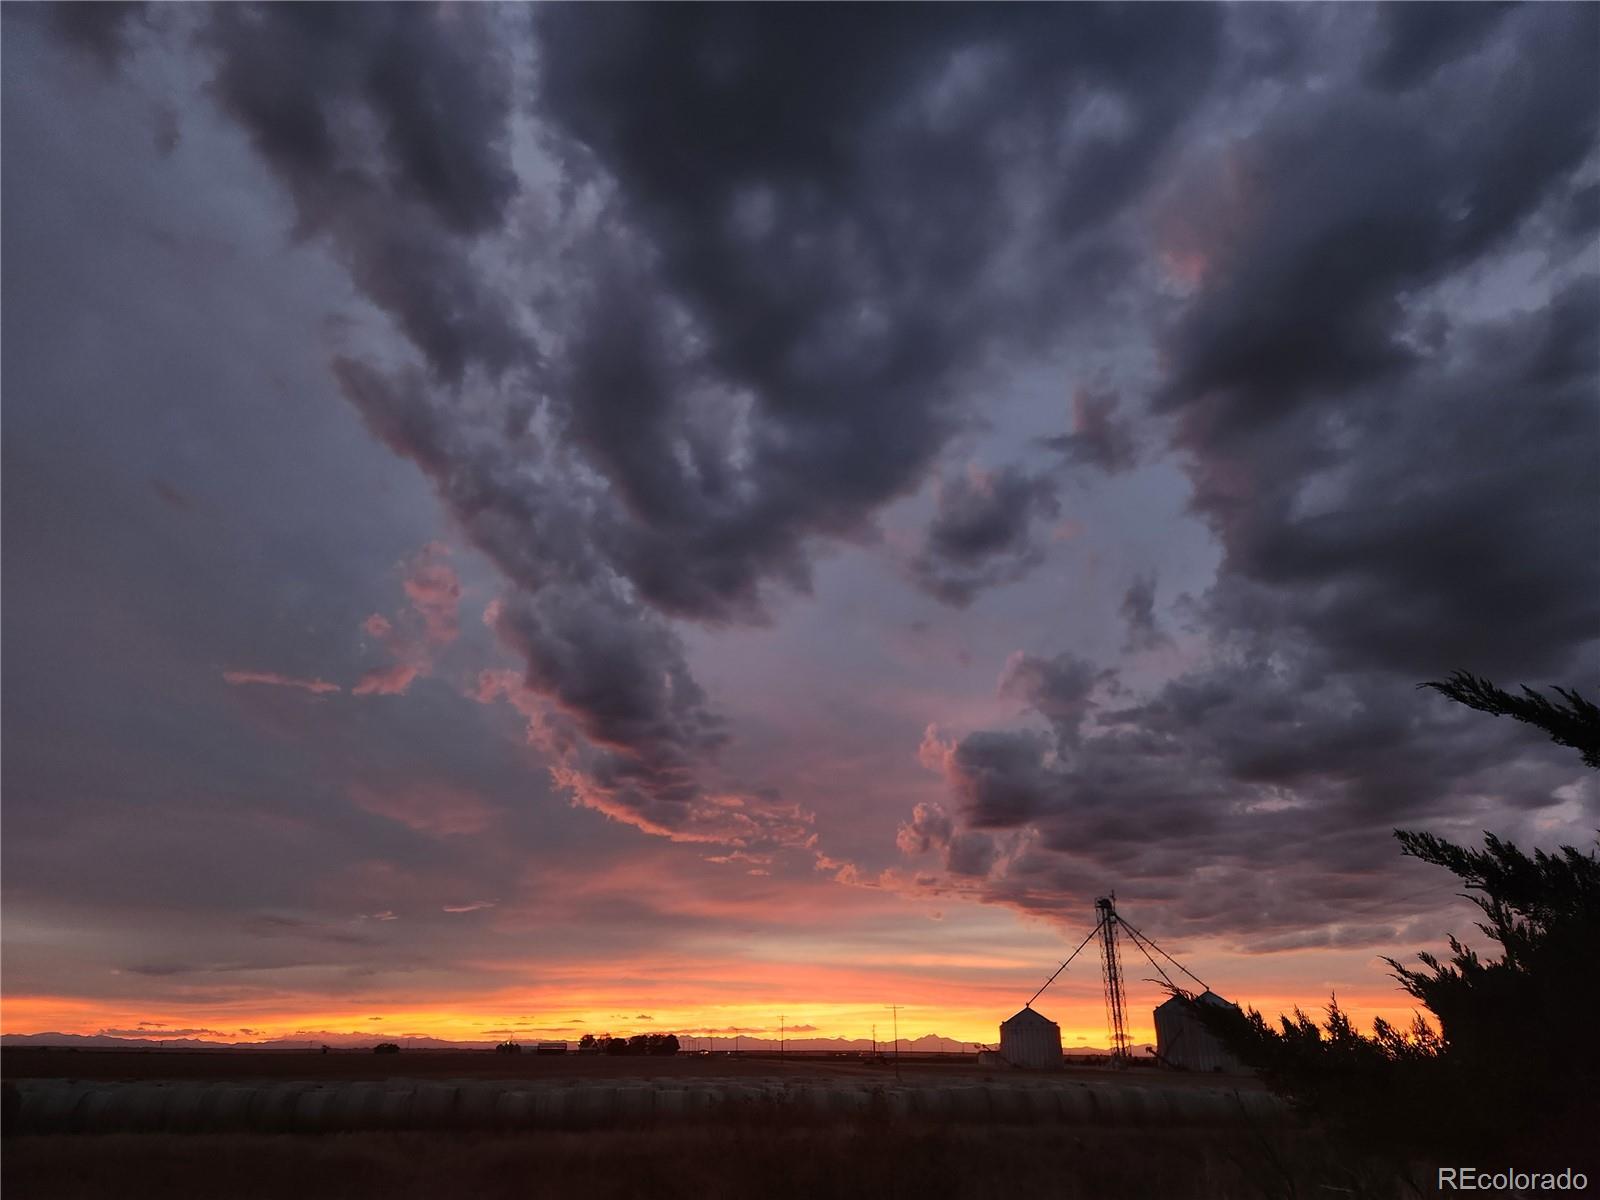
52,1063
769,1161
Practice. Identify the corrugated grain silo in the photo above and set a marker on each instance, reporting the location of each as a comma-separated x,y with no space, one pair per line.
1031,1039
1182,1040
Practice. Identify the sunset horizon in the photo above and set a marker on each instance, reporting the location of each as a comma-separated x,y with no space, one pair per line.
748,522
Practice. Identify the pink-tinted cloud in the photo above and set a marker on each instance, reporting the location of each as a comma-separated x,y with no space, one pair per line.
415,635
171,495
475,906
602,781
433,808
386,681
435,592
272,678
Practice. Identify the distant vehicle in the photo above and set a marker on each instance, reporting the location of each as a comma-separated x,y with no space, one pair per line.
550,1048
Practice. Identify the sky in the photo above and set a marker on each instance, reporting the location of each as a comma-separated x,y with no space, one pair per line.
602,518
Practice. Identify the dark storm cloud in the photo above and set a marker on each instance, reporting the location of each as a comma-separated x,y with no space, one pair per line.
99,30
800,183
1002,779
1101,436
616,670
1348,203
761,331
1138,609
1414,40
1415,503
388,128
1281,785
983,533
1056,688
1400,477
1453,533
780,265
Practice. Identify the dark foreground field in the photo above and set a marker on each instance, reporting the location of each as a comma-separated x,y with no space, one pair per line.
919,1163
54,1063
757,1152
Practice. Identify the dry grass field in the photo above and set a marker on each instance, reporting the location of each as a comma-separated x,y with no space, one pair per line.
52,1063
926,1162
766,1154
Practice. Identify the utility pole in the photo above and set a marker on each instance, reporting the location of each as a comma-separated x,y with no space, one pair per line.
780,1035
895,1009
874,1039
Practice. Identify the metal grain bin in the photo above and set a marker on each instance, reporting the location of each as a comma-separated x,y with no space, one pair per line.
1031,1040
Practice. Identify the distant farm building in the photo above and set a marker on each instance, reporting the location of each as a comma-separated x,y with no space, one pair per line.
550,1048
1182,1040
1031,1040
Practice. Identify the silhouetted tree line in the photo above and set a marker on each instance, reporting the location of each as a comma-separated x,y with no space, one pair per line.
1514,1063
639,1043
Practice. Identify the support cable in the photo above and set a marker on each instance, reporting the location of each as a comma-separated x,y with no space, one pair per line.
1168,957
1064,965
1139,942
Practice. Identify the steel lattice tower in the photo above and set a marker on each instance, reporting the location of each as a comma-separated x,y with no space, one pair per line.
1111,968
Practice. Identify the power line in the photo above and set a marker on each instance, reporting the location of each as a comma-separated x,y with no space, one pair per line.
1139,942
1168,957
1064,965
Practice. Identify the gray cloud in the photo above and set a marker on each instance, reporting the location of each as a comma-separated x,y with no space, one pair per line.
982,533
780,315
1101,436
1397,479
761,272
1057,688
99,30
389,129
1138,609
1415,40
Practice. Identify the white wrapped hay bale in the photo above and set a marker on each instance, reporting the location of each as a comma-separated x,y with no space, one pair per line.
394,1108
933,1102
592,1107
671,1103
186,1107
314,1110
136,1109
1077,1105
276,1106
1009,1103
897,1103
477,1103
701,1099
514,1109
1043,1104
353,1105
232,1107
433,1105
550,1107
90,1115
635,1104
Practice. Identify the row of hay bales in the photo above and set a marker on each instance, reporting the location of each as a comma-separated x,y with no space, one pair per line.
69,1106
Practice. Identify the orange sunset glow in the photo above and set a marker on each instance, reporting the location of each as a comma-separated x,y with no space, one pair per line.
747,522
